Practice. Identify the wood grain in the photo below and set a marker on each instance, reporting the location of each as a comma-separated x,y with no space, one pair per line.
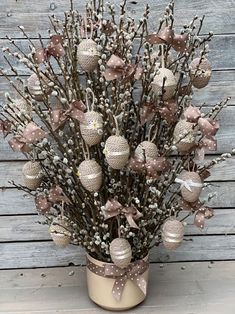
201,288
219,17
46,254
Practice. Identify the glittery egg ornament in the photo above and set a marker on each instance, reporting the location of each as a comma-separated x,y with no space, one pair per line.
32,175
169,85
34,87
146,151
184,136
87,55
192,190
200,72
117,151
120,252
90,175
172,234
59,233
92,128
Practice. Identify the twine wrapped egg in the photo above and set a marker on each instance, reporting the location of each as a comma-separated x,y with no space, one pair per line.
87,55
146,151
200,72
172,234
169,85
34,87
59,232
92,128
117,151
120,252
32,175
90,175
22,107
193,195
184,136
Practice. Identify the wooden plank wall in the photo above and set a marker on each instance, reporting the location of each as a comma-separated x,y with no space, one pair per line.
23,241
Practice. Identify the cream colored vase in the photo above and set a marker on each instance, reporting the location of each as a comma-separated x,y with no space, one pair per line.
100,290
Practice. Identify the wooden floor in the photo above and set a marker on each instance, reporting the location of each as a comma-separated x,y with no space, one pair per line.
179,288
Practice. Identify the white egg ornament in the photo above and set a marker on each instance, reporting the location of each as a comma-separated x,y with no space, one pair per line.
170,83
90,175
146,151
184,136
117,151
120,252
32,175
200,72
92,128
59,232
88,55
172,234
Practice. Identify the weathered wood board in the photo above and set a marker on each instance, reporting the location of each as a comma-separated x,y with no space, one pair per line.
196,288
25,243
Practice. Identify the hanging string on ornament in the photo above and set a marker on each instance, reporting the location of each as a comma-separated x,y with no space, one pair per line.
92,127
87,52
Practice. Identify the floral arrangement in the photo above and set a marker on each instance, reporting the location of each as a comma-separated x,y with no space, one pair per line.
107,121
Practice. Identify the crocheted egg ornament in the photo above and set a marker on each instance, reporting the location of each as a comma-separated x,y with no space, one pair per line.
59,233
172,234
90,175
200,72
191,192
121,253
169,85
34,87
184,136
146,151
92,128
87,55
32,175
117,151
22,107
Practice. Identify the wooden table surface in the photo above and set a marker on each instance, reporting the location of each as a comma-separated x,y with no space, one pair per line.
179,288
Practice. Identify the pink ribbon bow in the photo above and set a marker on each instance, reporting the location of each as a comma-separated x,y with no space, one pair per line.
75,111
147,112
43,203
114,208
54,48
31,134
201,212
117,69
168,111
208,127
153,168
5,127
133,272
167,36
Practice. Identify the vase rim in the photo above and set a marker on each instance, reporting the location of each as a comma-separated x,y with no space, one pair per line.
97,260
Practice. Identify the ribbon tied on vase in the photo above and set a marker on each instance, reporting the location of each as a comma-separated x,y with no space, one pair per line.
201,211
75,111
54,48
31,134
117,69
153,168
168,36
208,127
43,203
133,272
114,208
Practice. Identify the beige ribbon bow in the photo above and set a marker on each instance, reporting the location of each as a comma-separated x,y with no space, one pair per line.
133,272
